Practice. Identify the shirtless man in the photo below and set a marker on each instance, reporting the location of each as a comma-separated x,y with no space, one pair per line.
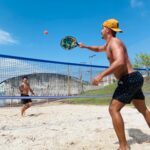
24,91
130,82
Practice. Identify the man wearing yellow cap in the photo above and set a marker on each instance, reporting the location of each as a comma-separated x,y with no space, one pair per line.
130,82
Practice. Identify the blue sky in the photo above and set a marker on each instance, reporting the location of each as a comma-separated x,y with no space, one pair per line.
22,23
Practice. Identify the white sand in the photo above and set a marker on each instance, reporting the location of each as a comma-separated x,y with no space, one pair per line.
69,127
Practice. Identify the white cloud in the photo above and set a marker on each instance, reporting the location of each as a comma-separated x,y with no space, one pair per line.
6,38
136,3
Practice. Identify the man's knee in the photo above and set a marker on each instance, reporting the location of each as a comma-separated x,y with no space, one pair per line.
27,105
113,110
115,107
30,104
143,111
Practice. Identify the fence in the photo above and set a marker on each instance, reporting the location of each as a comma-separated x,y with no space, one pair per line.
49,79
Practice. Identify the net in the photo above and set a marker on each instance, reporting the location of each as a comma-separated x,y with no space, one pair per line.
54,80
46,77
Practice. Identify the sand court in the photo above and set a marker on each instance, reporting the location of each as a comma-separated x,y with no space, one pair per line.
69,127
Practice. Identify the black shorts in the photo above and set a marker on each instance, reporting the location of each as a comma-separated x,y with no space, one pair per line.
129,88
25,101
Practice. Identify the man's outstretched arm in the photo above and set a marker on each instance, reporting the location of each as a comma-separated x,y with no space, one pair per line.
93,48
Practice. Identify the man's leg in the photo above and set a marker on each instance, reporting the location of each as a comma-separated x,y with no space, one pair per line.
141,107
25,107
29,104
114,109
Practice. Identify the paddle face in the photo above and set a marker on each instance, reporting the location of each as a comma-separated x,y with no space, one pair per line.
69,43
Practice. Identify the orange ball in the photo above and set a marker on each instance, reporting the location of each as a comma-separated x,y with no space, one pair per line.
45,32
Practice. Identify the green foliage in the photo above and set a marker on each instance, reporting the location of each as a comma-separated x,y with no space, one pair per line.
142,60
89,101
104,90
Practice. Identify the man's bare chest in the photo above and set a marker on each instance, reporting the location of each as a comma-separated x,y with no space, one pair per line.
109,54
25,86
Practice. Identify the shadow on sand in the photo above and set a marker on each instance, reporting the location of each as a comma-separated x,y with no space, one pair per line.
35,115
138,136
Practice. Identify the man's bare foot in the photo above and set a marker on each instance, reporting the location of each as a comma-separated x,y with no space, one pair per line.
23,115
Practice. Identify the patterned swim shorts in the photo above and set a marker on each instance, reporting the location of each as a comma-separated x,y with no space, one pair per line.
129,88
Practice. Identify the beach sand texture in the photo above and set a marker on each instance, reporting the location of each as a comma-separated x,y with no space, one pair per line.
69,127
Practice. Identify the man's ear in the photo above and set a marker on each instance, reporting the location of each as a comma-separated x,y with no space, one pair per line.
107,30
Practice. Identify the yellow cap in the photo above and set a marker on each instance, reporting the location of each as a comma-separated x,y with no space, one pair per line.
113,24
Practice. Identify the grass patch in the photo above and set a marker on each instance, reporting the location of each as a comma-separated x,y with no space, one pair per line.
104,100
89,101
94,101
105,90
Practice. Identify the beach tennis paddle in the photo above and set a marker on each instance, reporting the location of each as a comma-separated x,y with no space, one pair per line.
68,42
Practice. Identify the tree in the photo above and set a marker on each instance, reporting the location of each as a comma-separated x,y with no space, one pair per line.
142,61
